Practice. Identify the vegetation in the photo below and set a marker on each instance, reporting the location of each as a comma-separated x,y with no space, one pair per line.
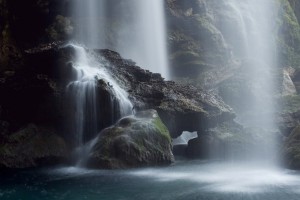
289,35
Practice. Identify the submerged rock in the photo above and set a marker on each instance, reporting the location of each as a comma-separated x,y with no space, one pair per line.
134,141
32,147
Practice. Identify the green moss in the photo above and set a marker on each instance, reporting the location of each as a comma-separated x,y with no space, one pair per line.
162,128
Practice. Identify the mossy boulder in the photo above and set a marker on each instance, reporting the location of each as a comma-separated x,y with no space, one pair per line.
32,146
291,149
134,141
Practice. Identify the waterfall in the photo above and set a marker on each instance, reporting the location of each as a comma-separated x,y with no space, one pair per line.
91,111
83,90
90,22
142,36
257,52
89,114
134,28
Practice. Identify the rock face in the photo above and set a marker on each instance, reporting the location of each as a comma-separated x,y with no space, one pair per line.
134,141
202,46
196,43
35,93
291,150
31,147
24,25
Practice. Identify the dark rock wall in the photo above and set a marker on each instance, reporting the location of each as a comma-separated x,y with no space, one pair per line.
25,24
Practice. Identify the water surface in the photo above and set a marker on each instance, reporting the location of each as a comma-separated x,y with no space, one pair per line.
184,180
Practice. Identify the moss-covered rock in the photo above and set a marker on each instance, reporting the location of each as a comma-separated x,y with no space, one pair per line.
33,147
134,141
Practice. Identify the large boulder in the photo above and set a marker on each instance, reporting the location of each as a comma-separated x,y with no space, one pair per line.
134,141
33,147
181,107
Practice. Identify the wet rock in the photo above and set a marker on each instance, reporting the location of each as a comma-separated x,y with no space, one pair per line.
195,42
181,107
134,141
289,115
291,149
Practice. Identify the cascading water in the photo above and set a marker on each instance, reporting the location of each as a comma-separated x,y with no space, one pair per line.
90,22
89,116
256,50
83,92
136,30
88,70
142,36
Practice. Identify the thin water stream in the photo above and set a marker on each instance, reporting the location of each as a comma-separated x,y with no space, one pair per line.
83,92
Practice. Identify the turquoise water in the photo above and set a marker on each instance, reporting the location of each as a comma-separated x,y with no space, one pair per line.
184,180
